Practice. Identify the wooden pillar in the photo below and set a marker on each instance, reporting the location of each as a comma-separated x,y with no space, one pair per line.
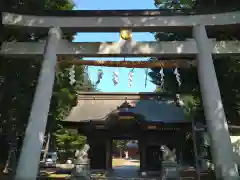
1,25
142,153
97,152
109,154
181,148
178,152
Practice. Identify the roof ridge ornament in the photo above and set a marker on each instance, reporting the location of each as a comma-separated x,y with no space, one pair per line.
125,105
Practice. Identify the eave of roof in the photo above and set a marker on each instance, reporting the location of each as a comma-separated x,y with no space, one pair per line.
150,110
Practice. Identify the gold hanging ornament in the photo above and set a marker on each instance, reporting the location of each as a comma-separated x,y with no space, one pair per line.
126,34
157,2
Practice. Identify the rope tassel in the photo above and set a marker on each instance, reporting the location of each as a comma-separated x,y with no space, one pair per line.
146,77
72,75
115,78
178,77
100,75
130,78
161,78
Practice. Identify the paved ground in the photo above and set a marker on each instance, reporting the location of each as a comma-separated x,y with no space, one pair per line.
125,162
122,170
128,170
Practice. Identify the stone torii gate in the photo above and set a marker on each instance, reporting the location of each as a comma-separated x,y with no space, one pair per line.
113,21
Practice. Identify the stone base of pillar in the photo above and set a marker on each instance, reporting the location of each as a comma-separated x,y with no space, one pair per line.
81,168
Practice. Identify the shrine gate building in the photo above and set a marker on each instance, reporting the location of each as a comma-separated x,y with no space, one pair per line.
139,116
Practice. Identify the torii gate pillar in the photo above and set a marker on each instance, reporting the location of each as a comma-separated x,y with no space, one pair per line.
30,154
222,151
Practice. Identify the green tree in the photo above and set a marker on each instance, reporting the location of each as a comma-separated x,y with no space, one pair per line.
18,78
175,4
64,98
120,145
227,68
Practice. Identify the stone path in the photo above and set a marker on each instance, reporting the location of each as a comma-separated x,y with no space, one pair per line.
131,163
129,170
126,171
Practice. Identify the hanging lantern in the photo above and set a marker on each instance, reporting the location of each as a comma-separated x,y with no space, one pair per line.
115,78
72,75
158,2
130,78
126,34
100,75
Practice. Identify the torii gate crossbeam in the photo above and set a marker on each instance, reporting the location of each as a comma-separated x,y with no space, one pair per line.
225,165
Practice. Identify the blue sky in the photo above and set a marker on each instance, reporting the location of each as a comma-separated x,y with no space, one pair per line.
106,84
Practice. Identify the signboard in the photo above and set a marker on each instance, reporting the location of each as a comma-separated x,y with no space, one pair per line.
100,127
126,117
152,127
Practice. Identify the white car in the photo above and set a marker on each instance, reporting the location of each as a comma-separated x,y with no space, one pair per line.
51,160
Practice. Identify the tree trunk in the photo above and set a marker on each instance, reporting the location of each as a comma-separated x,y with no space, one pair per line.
46,146
120,152
11,160
7,163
